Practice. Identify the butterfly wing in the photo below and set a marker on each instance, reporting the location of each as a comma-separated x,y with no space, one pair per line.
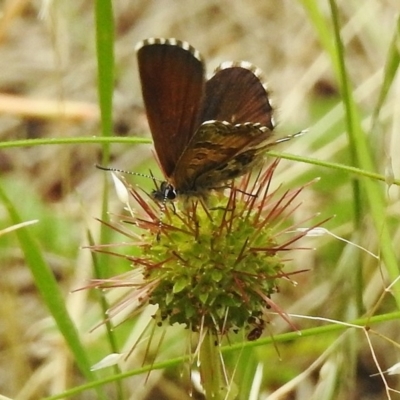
238,127
236,94
217,152
172,80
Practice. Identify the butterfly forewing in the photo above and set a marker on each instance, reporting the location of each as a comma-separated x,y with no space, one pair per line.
172,81
236,94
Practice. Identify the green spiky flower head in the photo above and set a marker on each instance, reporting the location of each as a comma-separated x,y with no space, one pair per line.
212,264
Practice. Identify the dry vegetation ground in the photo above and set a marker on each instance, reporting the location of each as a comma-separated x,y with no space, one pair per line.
48,78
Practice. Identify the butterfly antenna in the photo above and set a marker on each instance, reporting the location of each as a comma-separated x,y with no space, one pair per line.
122,171
163,207
289,137
153,178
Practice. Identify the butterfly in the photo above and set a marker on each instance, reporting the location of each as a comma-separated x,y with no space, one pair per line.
205,132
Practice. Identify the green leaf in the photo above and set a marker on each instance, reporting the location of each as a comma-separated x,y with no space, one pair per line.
216,275
180,284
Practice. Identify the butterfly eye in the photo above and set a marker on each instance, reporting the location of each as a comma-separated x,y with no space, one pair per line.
165,192
169,191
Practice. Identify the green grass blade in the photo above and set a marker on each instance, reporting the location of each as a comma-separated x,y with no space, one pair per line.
49,289
363,158
105,62
390,71
322,29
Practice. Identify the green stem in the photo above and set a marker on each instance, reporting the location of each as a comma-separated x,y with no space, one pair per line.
211,368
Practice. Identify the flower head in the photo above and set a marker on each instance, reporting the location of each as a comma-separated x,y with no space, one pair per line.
212,264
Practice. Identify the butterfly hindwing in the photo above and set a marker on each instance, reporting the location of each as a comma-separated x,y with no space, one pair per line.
235,94
217,152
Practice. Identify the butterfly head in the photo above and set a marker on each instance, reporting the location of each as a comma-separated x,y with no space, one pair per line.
165,192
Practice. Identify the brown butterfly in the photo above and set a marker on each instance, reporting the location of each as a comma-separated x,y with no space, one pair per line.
205,132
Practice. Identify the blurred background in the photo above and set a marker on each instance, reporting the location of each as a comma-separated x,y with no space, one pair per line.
48,89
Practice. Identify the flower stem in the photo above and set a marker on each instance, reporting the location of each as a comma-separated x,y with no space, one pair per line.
215,383
211,368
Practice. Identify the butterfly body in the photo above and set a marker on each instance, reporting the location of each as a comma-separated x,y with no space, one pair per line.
205,132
